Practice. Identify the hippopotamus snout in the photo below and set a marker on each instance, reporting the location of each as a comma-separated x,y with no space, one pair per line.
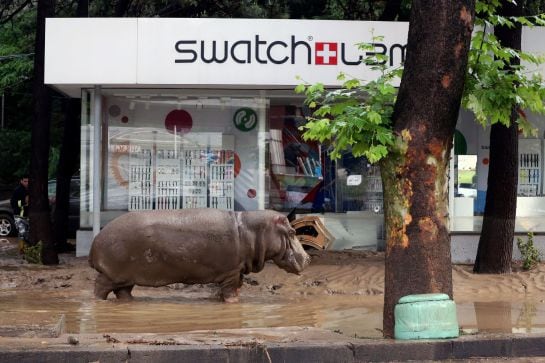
295,258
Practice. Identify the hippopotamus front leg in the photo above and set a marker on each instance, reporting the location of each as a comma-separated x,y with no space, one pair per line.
230,288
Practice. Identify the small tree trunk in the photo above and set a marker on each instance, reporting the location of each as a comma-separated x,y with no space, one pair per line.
40,224
495,250
415,173
68,165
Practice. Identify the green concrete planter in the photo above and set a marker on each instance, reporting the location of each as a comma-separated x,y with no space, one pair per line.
426,316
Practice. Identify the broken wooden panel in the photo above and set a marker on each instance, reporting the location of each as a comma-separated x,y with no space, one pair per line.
311,232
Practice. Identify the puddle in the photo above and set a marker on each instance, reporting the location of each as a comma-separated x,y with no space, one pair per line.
354,316
349,315
526,316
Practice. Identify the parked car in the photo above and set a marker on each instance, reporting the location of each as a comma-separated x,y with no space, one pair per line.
7,224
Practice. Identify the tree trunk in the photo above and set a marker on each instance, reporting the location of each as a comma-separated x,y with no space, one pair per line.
68,158
68,165
415,173
495,250
40,224
391,10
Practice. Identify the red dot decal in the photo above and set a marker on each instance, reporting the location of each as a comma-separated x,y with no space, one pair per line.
237,165
485,161
124,119
179,121
251,193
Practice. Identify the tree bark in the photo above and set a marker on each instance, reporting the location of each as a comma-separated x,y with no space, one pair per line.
40,224
495,250
415,174
391,10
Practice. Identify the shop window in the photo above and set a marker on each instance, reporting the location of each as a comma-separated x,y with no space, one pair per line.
296,167
176,151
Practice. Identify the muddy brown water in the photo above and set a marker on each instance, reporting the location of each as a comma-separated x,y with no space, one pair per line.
339,292
353,316
85,314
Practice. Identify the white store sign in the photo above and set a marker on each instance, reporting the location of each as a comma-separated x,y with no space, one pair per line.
269,53
154,51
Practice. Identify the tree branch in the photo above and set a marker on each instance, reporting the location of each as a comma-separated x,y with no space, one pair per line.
21,7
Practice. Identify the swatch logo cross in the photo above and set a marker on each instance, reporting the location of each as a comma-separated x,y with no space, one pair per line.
326,53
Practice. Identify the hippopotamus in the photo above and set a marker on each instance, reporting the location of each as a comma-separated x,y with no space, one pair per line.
191,246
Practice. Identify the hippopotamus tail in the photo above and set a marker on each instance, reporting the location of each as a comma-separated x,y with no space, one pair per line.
93,257
90,259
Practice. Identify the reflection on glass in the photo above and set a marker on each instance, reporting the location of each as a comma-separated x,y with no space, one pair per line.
466,181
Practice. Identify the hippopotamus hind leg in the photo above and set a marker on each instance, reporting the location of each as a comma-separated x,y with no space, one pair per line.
103,286
124,293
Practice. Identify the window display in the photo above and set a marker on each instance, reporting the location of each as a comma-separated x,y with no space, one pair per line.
529,176
194,178
373,198
140,180
189,178
222,173
168,177
295,165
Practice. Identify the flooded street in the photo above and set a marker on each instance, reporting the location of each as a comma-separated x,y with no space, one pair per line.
353,316
339,291
85,314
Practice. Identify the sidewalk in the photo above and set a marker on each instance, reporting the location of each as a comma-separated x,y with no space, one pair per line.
263,345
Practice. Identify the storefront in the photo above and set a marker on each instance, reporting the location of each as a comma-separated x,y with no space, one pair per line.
184,113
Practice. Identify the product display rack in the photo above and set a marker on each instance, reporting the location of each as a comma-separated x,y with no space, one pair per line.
169,179
140,180
373,192
222,174
167,185
530,168
194,178
529,175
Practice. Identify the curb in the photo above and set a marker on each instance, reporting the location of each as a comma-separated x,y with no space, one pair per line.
350,350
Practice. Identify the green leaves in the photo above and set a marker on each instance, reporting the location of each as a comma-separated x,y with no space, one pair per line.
356,116
17,46
493,85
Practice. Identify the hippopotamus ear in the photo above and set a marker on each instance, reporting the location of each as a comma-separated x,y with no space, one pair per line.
280,219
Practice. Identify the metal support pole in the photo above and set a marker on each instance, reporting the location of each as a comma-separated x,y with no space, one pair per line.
97,189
